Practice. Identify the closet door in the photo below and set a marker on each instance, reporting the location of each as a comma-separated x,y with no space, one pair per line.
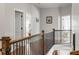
18,24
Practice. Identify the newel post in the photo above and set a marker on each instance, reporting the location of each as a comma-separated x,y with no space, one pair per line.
53,36
29,35
6,45
29,41
42,37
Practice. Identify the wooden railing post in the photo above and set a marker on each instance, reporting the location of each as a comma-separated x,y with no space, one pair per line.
29,35
74,41
53,36
29,47
6,45
42,37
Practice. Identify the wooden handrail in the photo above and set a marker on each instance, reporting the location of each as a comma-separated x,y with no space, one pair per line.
63,30
35,35
9,45
74,52
14,41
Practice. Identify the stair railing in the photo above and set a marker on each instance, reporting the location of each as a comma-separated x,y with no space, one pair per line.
20,46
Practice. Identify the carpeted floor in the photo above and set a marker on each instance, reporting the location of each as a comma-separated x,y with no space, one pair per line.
63,49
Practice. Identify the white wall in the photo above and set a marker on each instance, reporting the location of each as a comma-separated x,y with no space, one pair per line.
75,22
54,12
66,10
29,12
35,13
3,23
10,16
7,18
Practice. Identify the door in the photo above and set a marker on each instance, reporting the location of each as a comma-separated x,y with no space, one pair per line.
18,24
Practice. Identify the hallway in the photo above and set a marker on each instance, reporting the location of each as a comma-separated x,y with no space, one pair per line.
39,29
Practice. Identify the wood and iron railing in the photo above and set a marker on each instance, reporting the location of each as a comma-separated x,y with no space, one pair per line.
38,44
22,46
59,35
74,51
72,36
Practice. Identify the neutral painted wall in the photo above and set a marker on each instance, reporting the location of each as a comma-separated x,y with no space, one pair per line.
35,13
54,12
3,22
30,14
65,11
75,22
7,18
10,16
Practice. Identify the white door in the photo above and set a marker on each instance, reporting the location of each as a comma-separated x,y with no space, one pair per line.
18,24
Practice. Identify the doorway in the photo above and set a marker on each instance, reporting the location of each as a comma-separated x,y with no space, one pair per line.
66,27
63,35
18,24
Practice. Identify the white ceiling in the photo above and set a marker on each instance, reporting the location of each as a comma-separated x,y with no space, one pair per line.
47,5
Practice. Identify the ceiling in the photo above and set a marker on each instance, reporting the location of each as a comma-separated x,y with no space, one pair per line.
47,5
